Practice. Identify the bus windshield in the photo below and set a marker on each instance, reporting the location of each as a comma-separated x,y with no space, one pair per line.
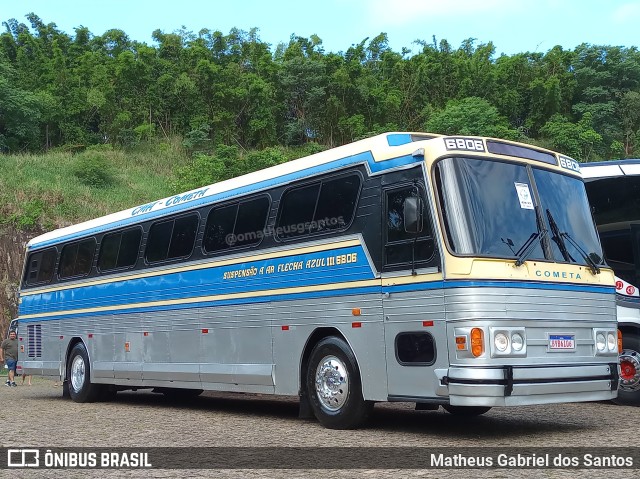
491,208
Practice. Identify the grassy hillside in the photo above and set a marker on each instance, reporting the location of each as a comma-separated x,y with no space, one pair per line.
60,188
43,192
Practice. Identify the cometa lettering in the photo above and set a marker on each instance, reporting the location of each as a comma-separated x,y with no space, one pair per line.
194,195
557,274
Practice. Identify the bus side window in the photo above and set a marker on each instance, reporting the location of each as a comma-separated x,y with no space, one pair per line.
41,266
318,207
236,225
119,250
337,203
172,238
399,243
76,259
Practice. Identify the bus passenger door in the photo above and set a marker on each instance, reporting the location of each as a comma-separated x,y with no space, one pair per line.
413,300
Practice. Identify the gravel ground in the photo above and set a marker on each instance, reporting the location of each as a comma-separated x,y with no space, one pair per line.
41,418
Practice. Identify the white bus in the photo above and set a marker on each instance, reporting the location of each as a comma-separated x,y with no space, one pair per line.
461,272
613,188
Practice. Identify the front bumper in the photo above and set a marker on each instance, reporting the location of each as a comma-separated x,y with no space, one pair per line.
519,386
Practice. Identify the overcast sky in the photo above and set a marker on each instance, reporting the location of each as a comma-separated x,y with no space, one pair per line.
512,25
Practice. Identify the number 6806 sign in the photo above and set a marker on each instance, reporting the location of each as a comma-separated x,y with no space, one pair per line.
467,144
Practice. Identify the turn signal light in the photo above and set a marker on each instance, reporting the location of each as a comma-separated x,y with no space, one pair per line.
619,342
477,342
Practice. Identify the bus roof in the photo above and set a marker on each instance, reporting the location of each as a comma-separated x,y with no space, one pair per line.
610,169
378,153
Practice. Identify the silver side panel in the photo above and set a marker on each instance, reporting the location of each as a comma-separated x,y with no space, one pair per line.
405,312
305,316
259,347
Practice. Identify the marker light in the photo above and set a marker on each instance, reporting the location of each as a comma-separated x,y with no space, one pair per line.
619,342
517,341
612,342
501,342
477,342
601,342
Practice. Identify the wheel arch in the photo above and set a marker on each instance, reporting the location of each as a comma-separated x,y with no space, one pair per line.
72,343
316,336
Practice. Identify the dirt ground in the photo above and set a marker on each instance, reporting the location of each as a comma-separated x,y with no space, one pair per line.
40,417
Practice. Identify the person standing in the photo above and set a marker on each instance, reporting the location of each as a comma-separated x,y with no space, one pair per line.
9,354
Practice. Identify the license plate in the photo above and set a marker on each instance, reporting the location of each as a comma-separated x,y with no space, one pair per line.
562,342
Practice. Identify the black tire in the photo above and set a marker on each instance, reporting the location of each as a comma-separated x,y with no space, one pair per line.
629,390
466,410
342,406
79,374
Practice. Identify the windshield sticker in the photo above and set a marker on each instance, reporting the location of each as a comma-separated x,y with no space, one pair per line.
524,195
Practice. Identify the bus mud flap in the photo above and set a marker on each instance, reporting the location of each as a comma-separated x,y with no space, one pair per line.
508,380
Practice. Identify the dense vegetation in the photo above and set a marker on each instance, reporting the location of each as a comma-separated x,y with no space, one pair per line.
60,89
208,106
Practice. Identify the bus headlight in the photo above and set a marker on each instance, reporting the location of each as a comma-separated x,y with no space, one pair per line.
501,342
606,342
508,341
517,341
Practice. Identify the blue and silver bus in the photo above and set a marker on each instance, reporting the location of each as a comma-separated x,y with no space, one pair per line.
613,188
461,272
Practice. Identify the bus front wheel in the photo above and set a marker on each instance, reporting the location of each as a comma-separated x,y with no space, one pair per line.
629,390
334,385
80,387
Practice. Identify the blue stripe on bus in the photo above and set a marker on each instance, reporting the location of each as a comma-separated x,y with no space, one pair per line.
585,288
398,139
223,302
360,158
346,292
315,269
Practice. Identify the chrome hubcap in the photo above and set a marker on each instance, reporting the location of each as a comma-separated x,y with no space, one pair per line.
630,370
77,373
332,383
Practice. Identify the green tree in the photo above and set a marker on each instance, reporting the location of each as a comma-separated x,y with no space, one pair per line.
19,114
629,113
578,140
471,116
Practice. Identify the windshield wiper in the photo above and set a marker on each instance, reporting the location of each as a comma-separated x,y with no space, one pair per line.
593,266
528,246
559,237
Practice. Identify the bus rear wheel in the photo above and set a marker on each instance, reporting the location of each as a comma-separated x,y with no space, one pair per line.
629,390
334,386
78,374
466,410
